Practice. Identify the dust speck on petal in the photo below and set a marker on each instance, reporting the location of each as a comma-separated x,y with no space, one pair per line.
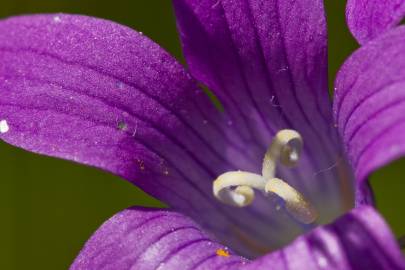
222,252
215,5
120,85
122,126
57,19
141,164
4,128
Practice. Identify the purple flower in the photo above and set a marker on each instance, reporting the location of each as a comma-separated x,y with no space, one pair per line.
100,94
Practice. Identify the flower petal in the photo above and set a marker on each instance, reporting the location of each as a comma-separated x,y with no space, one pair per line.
139,238
101,94
358,240
369,104
269,56
368,19
267,63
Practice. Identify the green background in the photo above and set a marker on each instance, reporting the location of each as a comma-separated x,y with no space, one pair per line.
50,207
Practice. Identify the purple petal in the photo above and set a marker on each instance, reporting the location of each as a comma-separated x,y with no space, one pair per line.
368,19
100,94
358,240
139,238
269,56
267,63
369,104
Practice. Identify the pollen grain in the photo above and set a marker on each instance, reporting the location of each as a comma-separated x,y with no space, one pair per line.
222,252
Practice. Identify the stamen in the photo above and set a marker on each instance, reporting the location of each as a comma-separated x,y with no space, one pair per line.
295,202
236,188
243,182
285,148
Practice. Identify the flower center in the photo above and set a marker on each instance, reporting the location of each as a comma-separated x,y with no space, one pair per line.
236,187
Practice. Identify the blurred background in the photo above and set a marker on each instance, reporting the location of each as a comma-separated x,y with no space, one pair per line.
50,207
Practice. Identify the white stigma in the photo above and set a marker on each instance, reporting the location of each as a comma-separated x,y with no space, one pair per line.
236,188
4,128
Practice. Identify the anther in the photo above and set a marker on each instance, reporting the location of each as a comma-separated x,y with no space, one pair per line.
236,188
